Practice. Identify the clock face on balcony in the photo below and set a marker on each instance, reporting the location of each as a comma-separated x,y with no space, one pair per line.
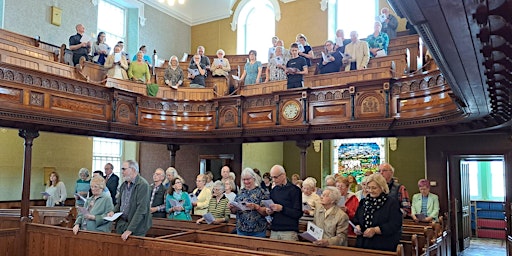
291,110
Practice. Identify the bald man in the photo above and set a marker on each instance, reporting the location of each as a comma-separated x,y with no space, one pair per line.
396,190
80,46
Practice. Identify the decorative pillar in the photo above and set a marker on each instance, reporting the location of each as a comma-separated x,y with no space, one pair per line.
29,136
173,148
303,145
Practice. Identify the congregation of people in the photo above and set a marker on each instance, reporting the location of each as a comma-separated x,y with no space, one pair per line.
372,210
283,64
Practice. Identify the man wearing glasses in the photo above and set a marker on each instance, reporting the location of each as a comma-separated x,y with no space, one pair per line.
112,181
134,197
396,190
287,207
157,193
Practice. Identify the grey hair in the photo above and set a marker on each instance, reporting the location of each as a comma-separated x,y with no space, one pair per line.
250,172
83,171
100,181
220,185
133,164
334,194
232,175
309,182
380,180
231,184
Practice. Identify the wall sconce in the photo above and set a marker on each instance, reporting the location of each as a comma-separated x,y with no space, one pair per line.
393,143
317,145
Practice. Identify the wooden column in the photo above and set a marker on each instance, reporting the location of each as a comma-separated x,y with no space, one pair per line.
303,145
29,136
173,148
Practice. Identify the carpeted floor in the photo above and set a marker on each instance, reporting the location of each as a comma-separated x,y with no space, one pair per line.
485,247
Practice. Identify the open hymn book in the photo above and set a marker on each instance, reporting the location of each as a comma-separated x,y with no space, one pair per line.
312,233
217,61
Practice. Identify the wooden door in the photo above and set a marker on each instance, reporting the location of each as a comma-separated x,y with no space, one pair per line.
465,206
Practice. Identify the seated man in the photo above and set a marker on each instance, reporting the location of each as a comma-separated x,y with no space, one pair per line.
357,53
331,59
197,72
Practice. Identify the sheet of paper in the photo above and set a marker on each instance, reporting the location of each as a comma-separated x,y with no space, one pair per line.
114,217
267,203
80,197
306,207
240,206
85,38
313,232
193,198
44,193
209,218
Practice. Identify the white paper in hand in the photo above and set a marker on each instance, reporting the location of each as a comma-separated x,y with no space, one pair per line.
44,193
313,232
240,206
306,207
267,203
209,218
193,198
114,217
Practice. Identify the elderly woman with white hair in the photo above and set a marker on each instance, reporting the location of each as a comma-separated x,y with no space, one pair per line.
310,199
173,76
218,205
82,186
332,219
378,218
220,65
172,173
96,207
250,221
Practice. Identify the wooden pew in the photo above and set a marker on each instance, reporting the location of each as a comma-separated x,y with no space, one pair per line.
399,62
11,218
59,215
29,50
26,61
47,240
50,49
274,246
413,44
9,241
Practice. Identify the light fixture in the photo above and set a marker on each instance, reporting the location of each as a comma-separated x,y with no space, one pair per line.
317,145
393,143
171,2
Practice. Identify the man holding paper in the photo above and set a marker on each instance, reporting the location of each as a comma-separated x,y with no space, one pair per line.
134,195
80,44
287,207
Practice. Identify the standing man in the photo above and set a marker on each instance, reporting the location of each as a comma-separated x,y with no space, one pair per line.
389,23
133,202
224,173
157,201
80,44
112,181
357,53
204,59
287,207
296,68
396,190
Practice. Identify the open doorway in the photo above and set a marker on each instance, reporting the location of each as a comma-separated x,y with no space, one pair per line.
478,195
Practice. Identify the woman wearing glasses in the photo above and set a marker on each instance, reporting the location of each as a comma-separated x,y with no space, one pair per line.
378,218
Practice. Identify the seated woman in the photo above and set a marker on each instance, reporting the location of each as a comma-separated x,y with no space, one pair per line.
173,76
139,70
220,65
100,50
331,219
425,205
116,64
55,192
90,217
378,218
250,222
252,70
331,59
177,202
310,199
203,195
276,66
305,49
197,72
378,42
218,205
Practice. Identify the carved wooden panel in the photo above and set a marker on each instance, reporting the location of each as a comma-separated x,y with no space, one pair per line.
369,104
228,117
76,107
14,95
36,99
329,112
174,121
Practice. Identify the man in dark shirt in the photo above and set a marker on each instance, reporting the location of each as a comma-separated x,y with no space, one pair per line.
77,45
158,191
197,72
287,207
296,68
112,181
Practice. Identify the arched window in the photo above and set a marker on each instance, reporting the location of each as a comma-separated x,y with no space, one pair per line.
256,26
352,15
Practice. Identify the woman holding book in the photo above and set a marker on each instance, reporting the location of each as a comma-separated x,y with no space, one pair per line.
218,209
116,64
252,70
100,49
177,202
378,220
55,193
425,205
277,66
250,215
203,195
331,59
96,207
332,219
82,186
305,49
220,65
173,76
